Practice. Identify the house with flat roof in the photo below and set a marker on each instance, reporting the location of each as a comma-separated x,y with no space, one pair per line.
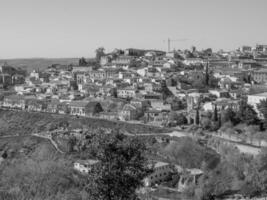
85,108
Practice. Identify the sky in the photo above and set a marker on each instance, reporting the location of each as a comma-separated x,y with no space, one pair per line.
75,28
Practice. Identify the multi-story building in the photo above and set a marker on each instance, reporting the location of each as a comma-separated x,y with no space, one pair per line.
105,60
123,60
261,48
129,112
260,76
160,173
15,101
134,52
85,108
245,49
127,92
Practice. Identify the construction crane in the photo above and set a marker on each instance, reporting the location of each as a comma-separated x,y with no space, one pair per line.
177,40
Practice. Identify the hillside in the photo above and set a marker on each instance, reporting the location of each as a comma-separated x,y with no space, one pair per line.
20,122
30,64
188,153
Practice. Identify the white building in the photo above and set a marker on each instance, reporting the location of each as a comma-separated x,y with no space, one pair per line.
255,99
193,61
85,166
161,172
34,74
126,92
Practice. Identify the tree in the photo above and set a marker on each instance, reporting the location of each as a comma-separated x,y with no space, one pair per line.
122,168
206,123
42,179
181,119
197,116
215,114
82,62
247,114
229,115
99,53
207,74
262,107
177,104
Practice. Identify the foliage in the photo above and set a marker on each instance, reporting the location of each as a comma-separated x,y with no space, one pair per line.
262,107
189,154
236,173
82,62
21,123
215,114
247,114
29,179
197,117
229,115
122,168
178,104
179,118
206,123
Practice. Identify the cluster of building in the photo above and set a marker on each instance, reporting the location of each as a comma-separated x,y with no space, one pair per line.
142,85
162,172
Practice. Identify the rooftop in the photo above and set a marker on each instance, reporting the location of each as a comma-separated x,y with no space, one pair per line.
264,94
160,164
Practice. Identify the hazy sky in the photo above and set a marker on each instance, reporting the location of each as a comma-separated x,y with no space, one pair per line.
75,28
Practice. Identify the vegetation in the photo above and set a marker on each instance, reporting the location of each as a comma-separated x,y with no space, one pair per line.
236,173
19,122
189,154
40,173
262,106
123,166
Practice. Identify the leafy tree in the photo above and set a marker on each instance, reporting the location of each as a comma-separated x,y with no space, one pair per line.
177,104
178,117
197,117
262,107
207,74
206,123
82,62
181,119
247,114
213,82
229,115
215,114
122,168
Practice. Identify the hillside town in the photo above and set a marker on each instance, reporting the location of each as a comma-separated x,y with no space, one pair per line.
145,86
218,98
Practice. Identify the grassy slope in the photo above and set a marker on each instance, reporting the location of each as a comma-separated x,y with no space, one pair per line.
19,122
28,146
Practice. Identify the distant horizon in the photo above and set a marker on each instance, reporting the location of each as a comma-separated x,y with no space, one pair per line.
90,57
